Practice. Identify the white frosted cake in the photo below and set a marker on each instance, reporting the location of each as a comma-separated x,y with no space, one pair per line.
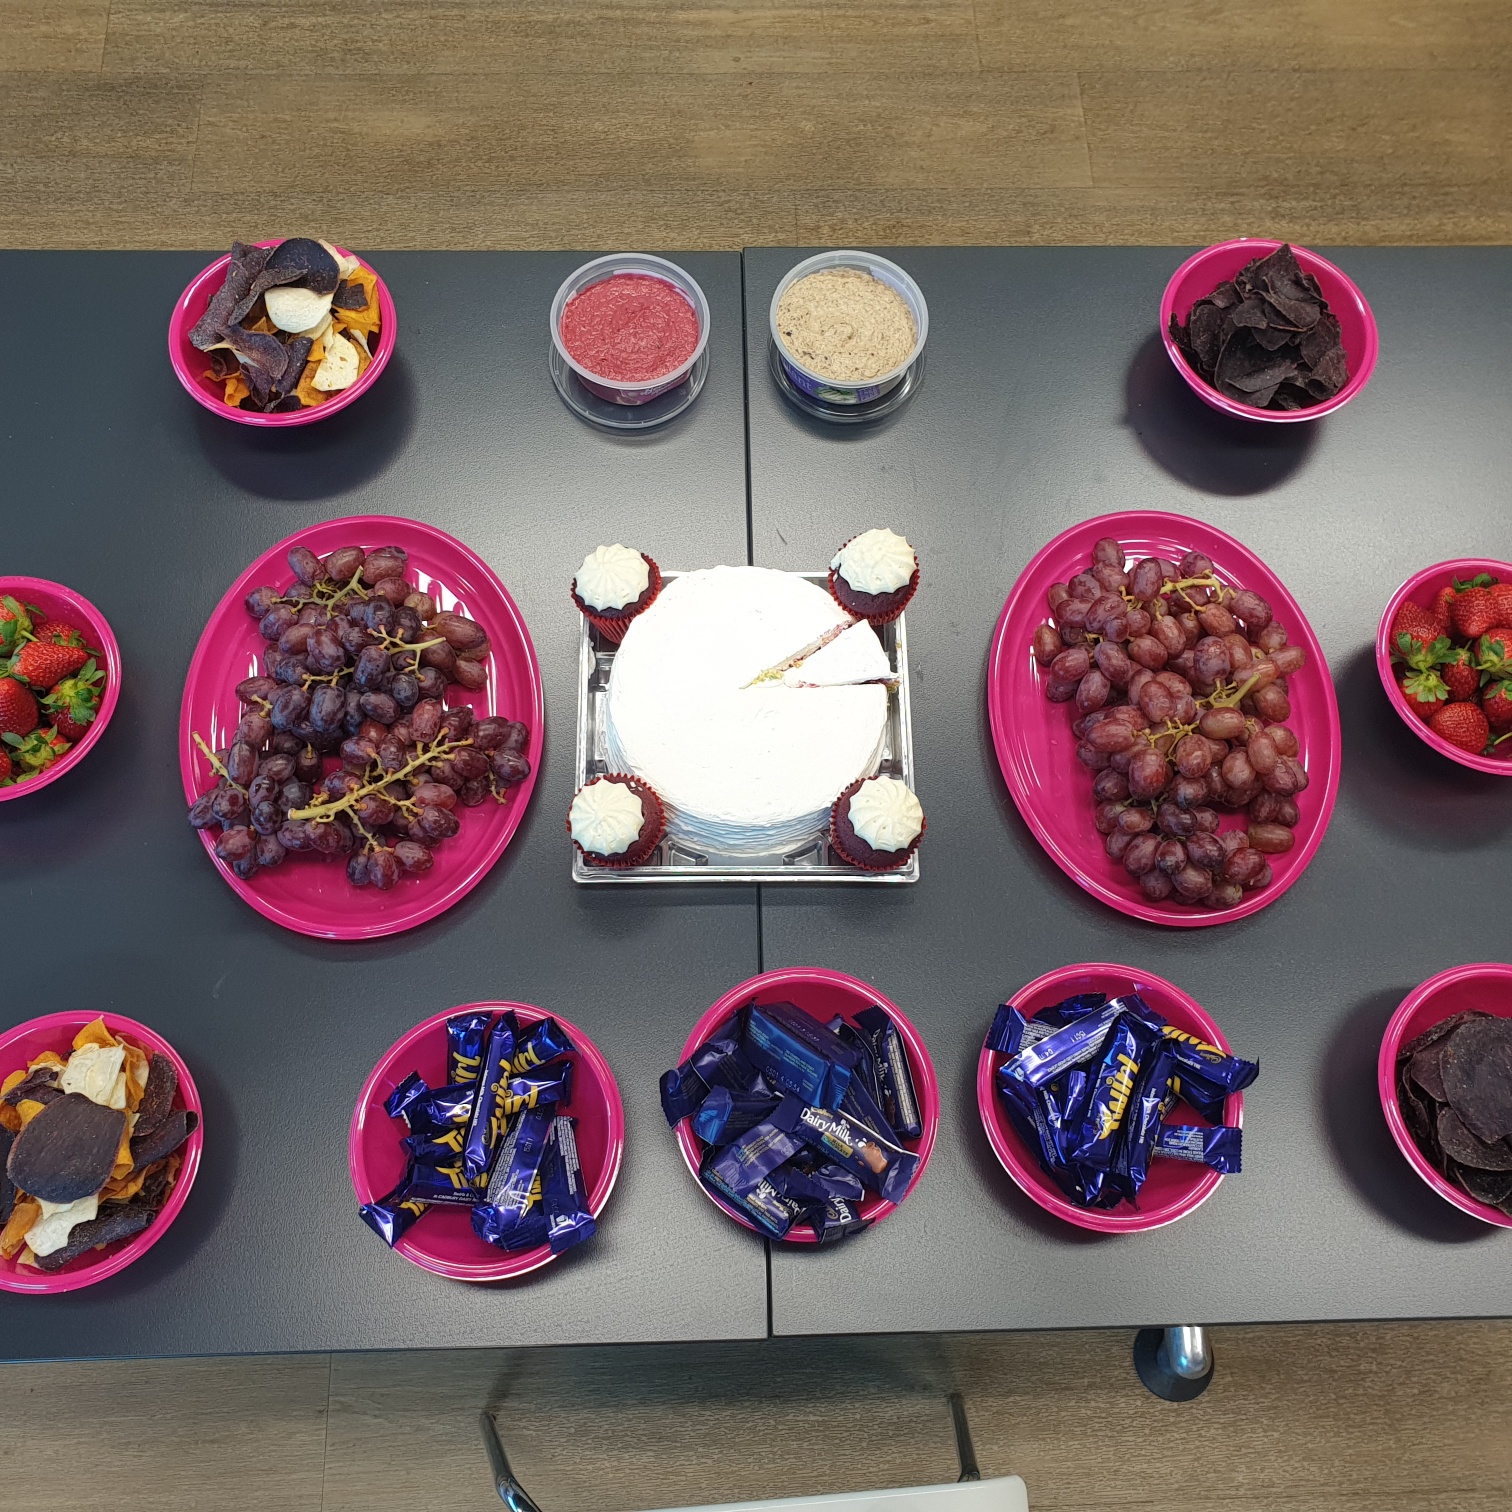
743,766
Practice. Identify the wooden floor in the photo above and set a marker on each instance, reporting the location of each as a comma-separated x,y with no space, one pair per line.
1339,1419
720,123
715,123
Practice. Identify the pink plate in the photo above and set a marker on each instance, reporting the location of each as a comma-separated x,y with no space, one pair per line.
189,362
1175,1187
443,1240
55,1032
1423,588
59,603
821,994
314,896
1201,273
1037,751
1485,986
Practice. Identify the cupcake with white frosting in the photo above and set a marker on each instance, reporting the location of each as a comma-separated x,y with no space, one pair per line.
874,575
613,585
877,823
616,820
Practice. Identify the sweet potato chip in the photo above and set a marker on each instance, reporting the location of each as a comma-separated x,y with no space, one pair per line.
27,1109
47,1058
122,1188
9,1118
262,324
237,389
124,1163
95,1033
13,1080
13,1236
136,1075
308,394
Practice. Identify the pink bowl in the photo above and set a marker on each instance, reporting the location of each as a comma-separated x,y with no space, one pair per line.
443,1240
821,994
55,1032
59,603
1175,1187
313,896
1423,588
1037,751
1201,273
1486,986
189,362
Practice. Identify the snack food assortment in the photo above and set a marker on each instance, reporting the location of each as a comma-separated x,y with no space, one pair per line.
1452,659
90,1147
1454,1090
345,748
496,1140
292,324
1266,338
1089,1083
52,681
801,1123
1178,679
747,704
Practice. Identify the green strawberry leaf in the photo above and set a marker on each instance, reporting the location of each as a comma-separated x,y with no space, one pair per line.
1426,686
1480,580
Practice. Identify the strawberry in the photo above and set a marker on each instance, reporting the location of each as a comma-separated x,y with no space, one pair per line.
43,665
37,750
15,623
1423,688
18,709
59,633
1473,610
1496,703
1493,655
5,766
1462,725
1441,609
74,702
1417,624
1501,602
1459,674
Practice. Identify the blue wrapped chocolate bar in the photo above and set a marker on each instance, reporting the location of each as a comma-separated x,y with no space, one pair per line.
797,1054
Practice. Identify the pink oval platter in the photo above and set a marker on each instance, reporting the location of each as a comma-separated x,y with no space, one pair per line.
821,994
1422,588
1201,273
56,1032
189,362
1485,986
443,1240
59,603
314,896
1037,751
1175,1187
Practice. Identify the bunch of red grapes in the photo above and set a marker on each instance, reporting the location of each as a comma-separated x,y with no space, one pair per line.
1179,682
346,747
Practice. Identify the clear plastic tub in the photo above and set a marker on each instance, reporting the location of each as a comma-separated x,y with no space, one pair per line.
606,267
832,390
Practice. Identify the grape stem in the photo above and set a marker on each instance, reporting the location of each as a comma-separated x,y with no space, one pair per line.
427,755
216,764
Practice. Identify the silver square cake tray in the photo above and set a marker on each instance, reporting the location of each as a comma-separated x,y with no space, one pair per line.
675,861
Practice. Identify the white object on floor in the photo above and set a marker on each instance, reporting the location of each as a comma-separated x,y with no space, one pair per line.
1002,1494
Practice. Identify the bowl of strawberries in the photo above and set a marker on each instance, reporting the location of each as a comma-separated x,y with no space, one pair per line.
60,676
1444,654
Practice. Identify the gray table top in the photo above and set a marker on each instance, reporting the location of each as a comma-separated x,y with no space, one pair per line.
1049,400
117,484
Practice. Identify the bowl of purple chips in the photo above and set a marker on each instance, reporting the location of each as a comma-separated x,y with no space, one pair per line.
1445,1079
1267,331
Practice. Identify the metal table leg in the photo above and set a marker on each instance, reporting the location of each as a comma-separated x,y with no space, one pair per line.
1175,1363
511,1492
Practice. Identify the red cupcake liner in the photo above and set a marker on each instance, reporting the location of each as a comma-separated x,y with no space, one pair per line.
653,824
612,626
908,590
836,844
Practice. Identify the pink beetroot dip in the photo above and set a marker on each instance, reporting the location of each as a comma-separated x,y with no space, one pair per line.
630,327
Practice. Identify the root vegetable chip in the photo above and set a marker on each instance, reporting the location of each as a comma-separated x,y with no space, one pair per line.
13,1236
339,369
1477,1071
121,1222
1267,338
67,1151
157,1097
97,1071
295,309
50,1232
93,1033
163,1140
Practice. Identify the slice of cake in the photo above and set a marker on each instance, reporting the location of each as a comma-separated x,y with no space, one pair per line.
853,657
